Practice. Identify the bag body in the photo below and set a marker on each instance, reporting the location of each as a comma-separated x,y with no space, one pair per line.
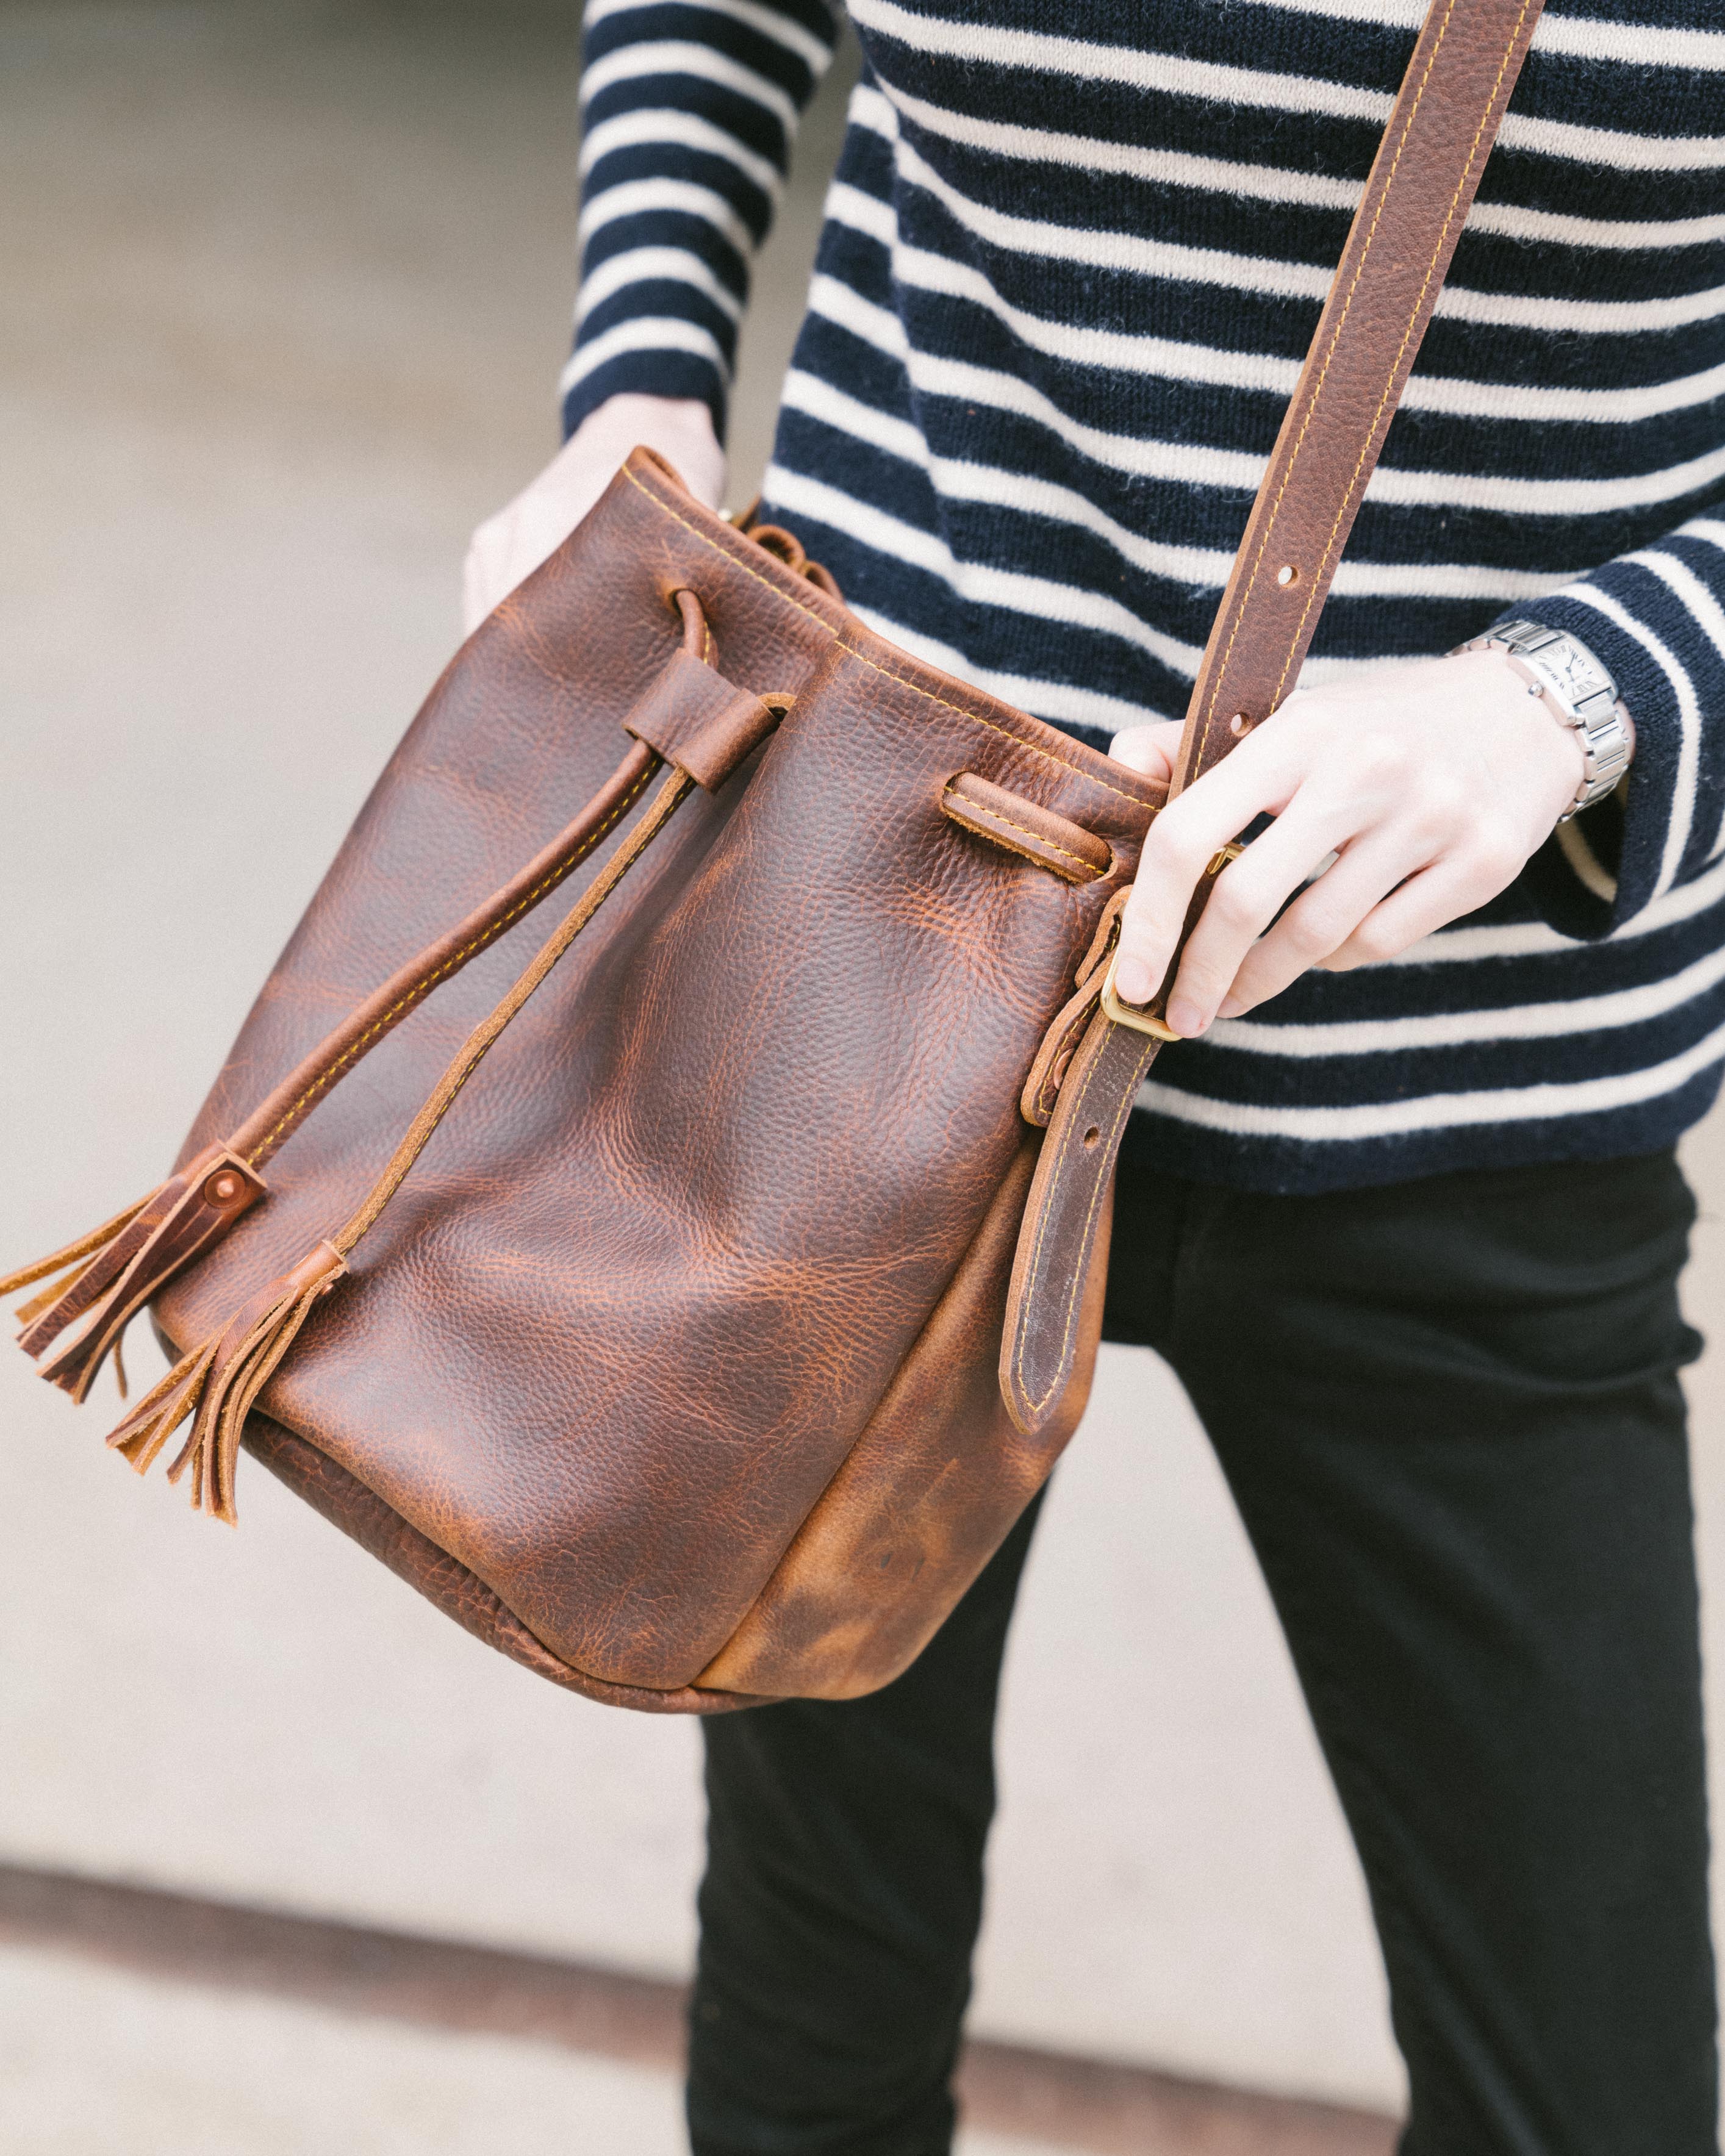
668,1347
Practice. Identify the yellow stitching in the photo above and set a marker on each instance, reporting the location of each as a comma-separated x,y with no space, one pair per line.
1317,392
874,664
424,988
965,806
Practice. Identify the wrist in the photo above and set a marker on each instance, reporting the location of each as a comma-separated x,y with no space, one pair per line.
1575,687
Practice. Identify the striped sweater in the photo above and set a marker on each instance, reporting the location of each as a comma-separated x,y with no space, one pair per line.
1072,262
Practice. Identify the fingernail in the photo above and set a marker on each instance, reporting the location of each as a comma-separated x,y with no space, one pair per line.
1131,981
1186,1019
1229,1007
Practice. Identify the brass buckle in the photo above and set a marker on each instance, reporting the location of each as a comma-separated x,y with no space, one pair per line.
1139,1016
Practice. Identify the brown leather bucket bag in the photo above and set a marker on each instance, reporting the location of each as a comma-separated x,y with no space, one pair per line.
688,1300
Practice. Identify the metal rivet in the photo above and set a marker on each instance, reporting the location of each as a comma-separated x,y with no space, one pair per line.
1287,574
223,1187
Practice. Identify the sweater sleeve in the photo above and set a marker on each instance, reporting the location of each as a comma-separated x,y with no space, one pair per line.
1657,617
689,110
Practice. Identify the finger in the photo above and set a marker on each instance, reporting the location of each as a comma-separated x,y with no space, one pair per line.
1247,897
1425,903
1320,921
474,608
1150,750
1183,839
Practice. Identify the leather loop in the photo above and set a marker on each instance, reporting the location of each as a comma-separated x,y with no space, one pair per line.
1025,827
693,717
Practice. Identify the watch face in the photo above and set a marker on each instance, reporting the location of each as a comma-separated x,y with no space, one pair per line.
1574,673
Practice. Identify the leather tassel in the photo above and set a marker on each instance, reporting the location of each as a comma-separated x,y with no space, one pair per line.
73,1326
162,1410
218,1384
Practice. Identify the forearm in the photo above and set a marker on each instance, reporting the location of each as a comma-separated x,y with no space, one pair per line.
689,109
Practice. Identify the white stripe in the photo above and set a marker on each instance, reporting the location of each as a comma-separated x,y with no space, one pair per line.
1513,1104
648,333
1681,812
872,108
1517,224
850,207
1121,349
628,130
1578,37
1057,701
770,24
987,44
641,198
1681,581
1196,465
1712,534
1395,14
1688,587
880,327
1039,598
1541,1021
954,279
1533,939
1532,402
1524,311
1116,250
1586,38
1546,497
678,56
643,264
1206,566
1171,73
1584,863
834,408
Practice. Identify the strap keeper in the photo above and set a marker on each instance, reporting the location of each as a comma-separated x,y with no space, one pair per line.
693,717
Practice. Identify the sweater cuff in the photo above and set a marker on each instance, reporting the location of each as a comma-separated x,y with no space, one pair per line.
1599,871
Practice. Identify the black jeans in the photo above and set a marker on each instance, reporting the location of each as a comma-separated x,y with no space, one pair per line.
1449,1413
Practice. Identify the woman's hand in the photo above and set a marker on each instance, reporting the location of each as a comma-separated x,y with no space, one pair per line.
510,545
1431,782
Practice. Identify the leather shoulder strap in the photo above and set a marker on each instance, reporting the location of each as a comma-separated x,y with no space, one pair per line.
1416,201
1422,186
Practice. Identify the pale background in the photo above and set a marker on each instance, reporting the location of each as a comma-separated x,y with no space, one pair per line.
283,293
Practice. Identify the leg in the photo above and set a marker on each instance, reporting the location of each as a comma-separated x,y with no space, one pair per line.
841,1902
1450,1415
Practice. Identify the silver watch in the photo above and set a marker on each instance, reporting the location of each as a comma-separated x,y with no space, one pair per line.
1577,690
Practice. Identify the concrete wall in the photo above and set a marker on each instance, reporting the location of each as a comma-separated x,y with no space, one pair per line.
285,289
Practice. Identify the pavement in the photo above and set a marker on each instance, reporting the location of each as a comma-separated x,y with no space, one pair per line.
97,2061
